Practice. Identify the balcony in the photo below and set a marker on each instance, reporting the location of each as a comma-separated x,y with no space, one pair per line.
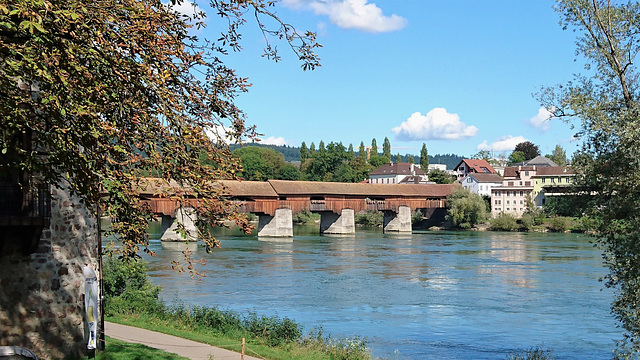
23,216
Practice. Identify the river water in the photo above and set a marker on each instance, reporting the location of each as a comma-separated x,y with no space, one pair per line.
430,295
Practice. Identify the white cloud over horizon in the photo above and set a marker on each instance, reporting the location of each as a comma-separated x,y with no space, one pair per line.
541,119
505,143
352,14
437,124
272,140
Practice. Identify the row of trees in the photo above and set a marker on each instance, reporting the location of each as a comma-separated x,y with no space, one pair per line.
331,162
522,152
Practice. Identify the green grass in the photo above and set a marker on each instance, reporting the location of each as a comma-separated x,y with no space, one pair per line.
121,350
314,348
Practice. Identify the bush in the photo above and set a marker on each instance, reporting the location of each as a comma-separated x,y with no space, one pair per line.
583,224
465,209
274,330
505,222
370,218
127,288
559,224
345,349
303,217
526,222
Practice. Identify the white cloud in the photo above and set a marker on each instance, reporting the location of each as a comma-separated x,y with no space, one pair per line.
505,143
541,120
272,140
219,132
437,124
352,14
187,7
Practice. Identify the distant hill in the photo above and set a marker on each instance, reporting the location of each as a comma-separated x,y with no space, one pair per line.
292,153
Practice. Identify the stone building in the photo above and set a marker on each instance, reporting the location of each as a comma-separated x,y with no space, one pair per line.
44,247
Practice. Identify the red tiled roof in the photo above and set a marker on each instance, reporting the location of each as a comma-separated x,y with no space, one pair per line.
478,166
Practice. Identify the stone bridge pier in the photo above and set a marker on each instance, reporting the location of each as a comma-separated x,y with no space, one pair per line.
399,221
343,223
279,225
185,216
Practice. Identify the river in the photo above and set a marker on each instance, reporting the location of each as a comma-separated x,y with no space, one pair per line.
426,295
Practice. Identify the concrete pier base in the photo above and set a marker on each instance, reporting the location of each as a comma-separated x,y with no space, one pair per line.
398,222
280,225
332,223
184,216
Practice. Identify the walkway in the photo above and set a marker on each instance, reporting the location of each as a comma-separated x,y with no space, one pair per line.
183,347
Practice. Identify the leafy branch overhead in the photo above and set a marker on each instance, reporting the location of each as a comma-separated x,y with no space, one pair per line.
100,95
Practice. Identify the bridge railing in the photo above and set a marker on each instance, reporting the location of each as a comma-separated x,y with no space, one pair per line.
318,205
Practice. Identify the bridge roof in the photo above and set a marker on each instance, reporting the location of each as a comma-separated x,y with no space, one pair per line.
285,187
249,188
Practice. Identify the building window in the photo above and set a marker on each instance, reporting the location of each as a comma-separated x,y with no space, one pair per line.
543,179
521,193
526,173
507,202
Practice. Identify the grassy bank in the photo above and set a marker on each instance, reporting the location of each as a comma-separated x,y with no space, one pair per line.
131,299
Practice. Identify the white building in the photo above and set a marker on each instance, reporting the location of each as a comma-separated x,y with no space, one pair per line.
481,184
395,173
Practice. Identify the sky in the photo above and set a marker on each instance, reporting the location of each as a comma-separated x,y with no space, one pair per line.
457,75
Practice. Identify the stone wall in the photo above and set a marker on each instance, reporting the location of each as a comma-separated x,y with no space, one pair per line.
41,296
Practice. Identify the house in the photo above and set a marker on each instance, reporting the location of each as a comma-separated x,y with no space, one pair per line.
514,193
396,173
522,184
538,161
482,183
552,181
468,166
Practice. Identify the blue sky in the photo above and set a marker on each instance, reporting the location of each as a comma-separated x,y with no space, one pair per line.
458,75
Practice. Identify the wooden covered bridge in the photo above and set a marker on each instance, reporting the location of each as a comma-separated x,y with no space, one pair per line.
275,201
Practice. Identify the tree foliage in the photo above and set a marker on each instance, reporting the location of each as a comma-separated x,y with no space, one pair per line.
424,158
441,177
516,157
465,209
97,95
374,148
558,156
386,148
528,149
606,102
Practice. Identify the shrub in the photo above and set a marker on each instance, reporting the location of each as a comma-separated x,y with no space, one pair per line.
465,209
370,218
127,288
274,330
338,349
583,224
526,222
559,224
505,222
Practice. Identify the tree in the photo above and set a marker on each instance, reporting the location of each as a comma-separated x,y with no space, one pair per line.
607,105
304,152
259,163
411,160
528,149
516,157
482,155
424,158
441,177
377,161
288,172
465,209
374,148
114,91
312,150
398,158
362,151
558,156
350,152
386,148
